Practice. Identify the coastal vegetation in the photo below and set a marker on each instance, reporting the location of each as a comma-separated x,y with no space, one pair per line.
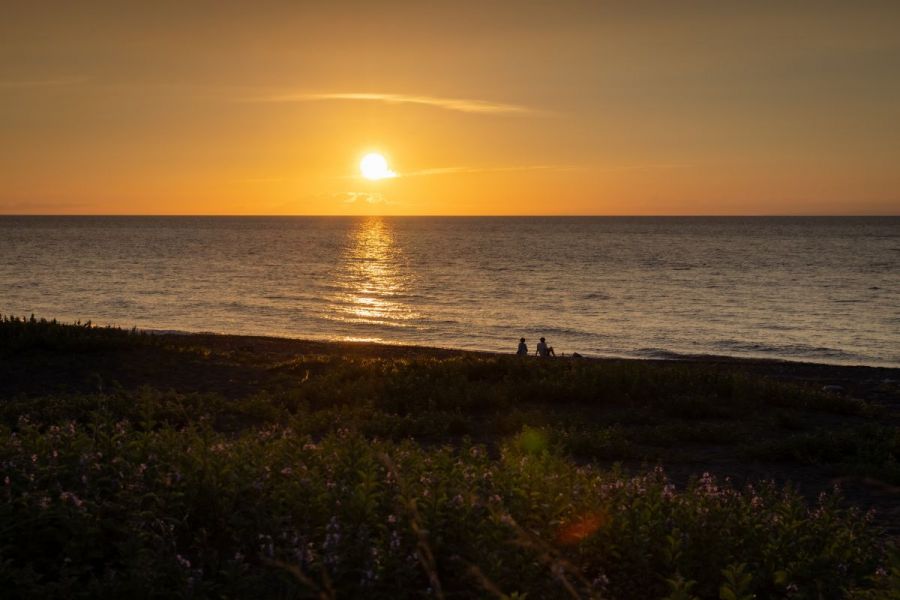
139,465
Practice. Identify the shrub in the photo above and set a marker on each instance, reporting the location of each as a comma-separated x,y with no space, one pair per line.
110,508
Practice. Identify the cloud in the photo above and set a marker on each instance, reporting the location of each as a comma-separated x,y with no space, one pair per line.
611,168
453,170
354,197
455,104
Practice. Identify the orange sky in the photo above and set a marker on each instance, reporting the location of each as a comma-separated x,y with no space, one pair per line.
490,108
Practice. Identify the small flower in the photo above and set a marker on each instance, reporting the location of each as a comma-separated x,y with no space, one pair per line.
69,497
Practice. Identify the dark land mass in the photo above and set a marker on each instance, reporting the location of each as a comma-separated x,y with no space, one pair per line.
810,445
744,420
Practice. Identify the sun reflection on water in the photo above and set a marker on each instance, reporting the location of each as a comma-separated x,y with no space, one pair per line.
371,279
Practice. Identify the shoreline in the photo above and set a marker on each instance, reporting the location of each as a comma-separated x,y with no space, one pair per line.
863,381
661,354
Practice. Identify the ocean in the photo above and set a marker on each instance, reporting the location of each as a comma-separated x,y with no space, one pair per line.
810,289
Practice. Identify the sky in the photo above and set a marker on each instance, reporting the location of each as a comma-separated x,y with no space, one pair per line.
508,108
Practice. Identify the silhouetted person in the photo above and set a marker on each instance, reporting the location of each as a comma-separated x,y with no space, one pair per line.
543,350
523,349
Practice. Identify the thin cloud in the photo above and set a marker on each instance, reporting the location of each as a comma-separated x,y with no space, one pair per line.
512,168
354,197
454,170
454,104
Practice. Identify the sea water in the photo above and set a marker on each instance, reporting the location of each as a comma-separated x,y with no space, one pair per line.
812,289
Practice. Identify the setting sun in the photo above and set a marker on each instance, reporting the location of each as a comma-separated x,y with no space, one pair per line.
374,166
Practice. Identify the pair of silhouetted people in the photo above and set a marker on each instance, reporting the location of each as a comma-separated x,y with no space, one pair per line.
543,350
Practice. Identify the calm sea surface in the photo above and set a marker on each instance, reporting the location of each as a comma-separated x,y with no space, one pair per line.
812,289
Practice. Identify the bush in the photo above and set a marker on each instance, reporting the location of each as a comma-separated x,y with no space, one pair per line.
110,508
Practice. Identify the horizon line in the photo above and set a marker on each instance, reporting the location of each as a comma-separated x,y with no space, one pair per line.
502,216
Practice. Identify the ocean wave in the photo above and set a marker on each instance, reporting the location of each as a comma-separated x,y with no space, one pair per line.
661,353
560,331
788,350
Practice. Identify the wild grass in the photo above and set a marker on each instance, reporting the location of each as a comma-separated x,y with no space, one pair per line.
114,508
868,449
31,334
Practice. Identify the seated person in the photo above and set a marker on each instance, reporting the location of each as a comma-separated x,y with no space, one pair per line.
543,350
523,349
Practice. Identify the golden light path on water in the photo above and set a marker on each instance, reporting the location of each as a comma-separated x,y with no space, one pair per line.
372,280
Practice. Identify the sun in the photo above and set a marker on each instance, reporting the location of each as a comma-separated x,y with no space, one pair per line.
374,166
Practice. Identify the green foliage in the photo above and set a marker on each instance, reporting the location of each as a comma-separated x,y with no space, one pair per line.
737,584
680,588
885,583
142,466
109,507
868,449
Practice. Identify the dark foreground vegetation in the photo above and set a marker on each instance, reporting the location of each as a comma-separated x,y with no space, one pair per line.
144,466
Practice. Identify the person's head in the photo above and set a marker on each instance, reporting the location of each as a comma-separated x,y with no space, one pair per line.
542,339
521,340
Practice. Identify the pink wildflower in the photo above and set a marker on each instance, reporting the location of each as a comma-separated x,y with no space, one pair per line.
69,497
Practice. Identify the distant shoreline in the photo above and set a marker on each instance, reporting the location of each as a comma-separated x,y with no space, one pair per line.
441,351
868,382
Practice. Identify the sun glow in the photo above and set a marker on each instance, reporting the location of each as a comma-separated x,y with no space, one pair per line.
374,166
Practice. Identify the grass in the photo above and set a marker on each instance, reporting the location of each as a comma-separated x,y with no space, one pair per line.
866,449
161,466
